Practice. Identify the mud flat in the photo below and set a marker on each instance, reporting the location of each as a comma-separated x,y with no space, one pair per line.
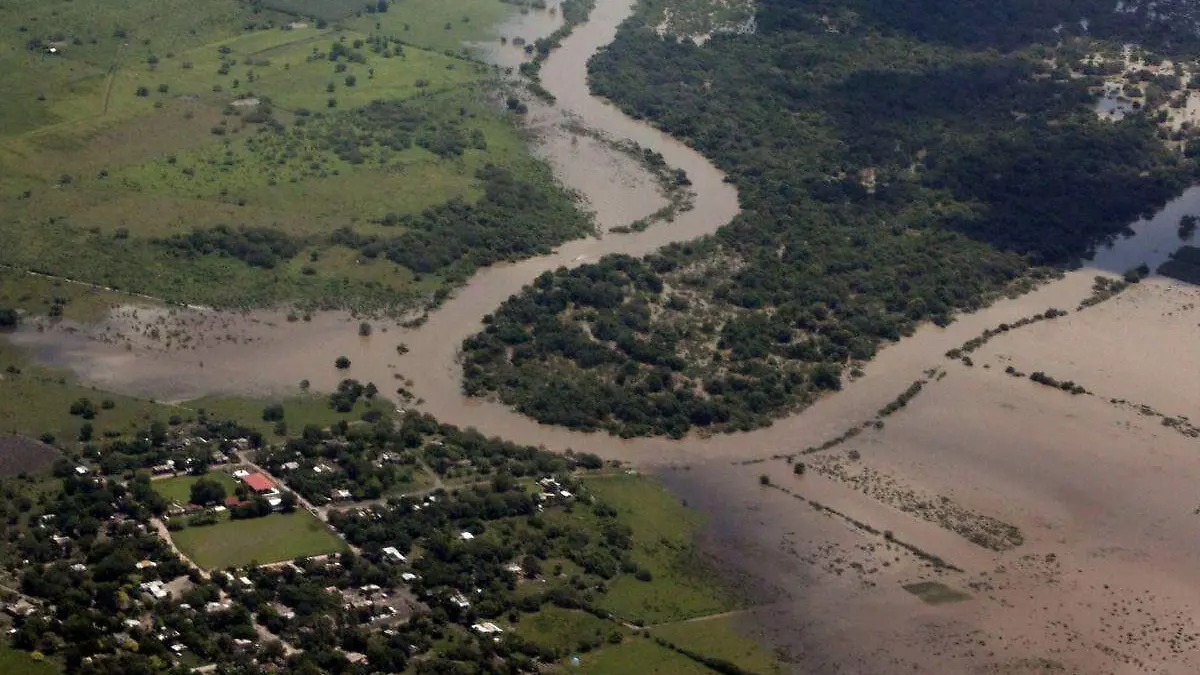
1105,578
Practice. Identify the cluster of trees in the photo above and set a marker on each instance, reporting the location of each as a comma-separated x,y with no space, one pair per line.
885,180
374,460
349,392
256,246
514,218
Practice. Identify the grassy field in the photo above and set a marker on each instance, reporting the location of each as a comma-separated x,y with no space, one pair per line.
720,638
297,411
16,661
563,629
143,125
635,656
178,489
235,543
663,530
35,400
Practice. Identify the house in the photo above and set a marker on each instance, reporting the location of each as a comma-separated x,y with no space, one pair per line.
81,471
460,600
143,564
514,568
466,536
155,590
291,466
259,482
486,628
409,577
19,608
395,554
341,494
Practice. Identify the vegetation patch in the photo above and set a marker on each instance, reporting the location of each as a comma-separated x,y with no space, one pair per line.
26,663
237,543
663,553
178,489
1184,265
720,638
936,593
20,454
901,171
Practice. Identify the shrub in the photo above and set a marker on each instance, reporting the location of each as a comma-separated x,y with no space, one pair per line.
341,363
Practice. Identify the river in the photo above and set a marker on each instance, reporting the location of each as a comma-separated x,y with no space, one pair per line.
262,353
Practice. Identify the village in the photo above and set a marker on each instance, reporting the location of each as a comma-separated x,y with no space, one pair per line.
181,545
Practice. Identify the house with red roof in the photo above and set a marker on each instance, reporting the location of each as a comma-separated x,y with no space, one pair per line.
259,483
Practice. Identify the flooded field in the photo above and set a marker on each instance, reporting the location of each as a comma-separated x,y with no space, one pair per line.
992,525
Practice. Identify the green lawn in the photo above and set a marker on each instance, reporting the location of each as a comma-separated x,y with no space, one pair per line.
236,543
720,638
17,662
663,529
179,488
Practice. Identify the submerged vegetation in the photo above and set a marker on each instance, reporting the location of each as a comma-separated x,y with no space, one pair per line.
909,180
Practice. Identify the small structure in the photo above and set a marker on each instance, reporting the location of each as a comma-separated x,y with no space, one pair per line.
460,600
155,590
466,536
341,494
395,554
487,628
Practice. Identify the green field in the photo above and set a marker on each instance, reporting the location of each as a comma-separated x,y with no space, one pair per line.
636,656
148,124
35,401
663,529
720,638
15,661
236,543
298,411
178,489
563,629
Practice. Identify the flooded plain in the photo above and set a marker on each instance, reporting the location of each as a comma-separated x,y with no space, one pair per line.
993,525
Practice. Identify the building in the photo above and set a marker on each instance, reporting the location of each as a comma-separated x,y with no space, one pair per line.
395,554
259,482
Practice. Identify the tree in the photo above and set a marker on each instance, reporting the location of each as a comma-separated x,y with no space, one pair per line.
273,413
381,6
351,80
288,501
341,363
9,318
207,491
85,432
142,91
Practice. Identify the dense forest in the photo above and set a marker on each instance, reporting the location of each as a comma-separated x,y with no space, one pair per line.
887,178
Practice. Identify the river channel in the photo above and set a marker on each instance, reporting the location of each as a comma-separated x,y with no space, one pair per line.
261,353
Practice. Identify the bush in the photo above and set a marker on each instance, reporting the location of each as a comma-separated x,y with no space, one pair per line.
341,363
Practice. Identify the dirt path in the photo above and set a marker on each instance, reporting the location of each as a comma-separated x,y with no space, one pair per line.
161,529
